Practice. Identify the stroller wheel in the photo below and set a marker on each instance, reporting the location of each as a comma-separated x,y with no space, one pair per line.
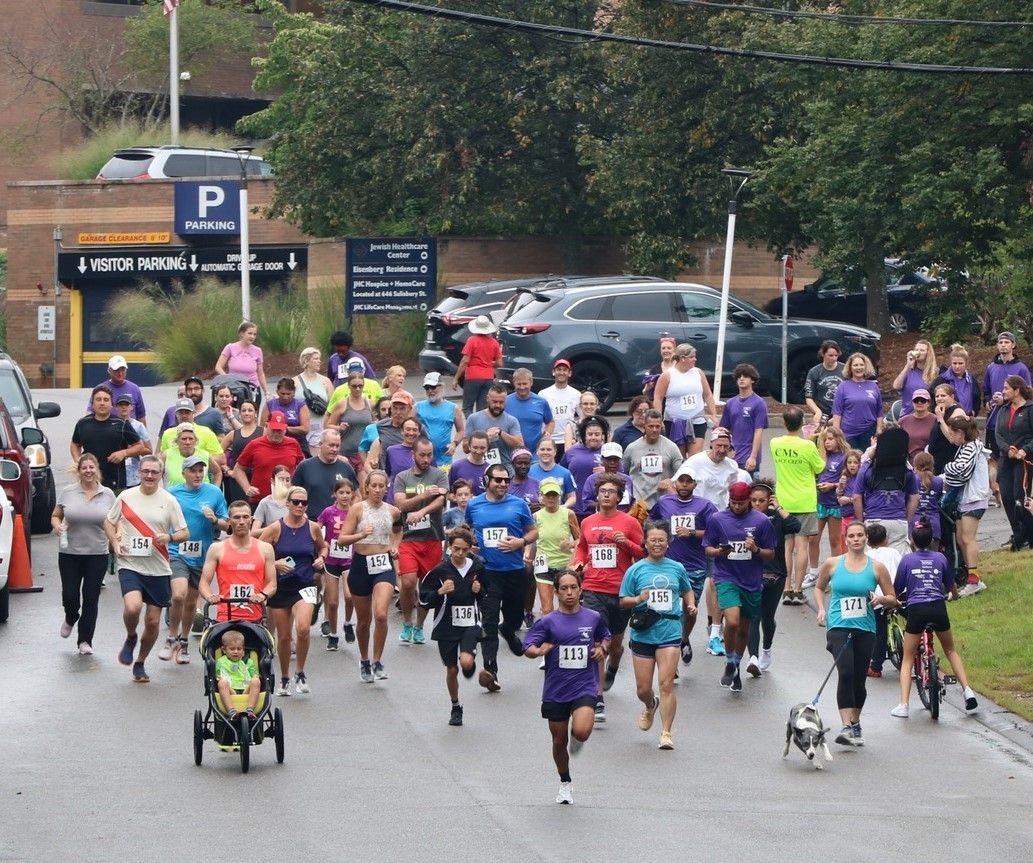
198,736
245,744
278,734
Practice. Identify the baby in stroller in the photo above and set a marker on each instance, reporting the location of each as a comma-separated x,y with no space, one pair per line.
235,674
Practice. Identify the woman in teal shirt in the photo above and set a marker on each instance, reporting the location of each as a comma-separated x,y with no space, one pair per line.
662,585
850,618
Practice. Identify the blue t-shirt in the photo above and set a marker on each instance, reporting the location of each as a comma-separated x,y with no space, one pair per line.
532,413
667,581
201,530
849,606
570,671
923,576
742,568
493,520
439,420
557,472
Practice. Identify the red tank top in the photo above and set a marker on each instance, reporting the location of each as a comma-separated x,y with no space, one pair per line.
237,571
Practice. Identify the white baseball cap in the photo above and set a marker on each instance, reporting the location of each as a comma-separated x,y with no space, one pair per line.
118,362
611,450
432,379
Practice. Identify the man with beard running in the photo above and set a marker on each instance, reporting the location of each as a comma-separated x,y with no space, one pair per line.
503,429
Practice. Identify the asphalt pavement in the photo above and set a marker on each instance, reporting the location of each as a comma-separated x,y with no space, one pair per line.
98,768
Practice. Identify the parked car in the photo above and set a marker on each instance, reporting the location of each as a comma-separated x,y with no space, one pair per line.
6,538
171,161
17,483
610,331
17,399
447,322
836,298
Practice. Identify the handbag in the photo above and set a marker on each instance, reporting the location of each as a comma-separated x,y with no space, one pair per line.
316,403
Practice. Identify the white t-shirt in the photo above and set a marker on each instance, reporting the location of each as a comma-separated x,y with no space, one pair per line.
713,480
888,556
563,403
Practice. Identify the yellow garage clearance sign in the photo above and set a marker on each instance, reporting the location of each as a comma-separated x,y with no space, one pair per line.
126,238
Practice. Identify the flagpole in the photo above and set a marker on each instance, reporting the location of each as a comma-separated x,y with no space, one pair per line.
174,73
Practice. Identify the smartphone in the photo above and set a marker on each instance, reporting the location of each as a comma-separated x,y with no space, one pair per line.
290,562
725,546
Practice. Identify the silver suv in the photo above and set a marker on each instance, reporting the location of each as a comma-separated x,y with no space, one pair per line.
172,162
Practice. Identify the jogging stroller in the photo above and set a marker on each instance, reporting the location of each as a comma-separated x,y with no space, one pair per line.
243,390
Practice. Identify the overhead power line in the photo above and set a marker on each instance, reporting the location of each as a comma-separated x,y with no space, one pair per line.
837,18
492,21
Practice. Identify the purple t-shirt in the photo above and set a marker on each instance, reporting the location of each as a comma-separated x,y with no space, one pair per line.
834,462
742,568
589,498
397,458
742,417
963,390
580,461
924,576
572,673
858,404
878,503
994,378
336,368
331,519
913,380
126,388
291,410
849,490
526,490
929,504
694,514
472,473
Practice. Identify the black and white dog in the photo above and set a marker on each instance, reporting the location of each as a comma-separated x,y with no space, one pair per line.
807,731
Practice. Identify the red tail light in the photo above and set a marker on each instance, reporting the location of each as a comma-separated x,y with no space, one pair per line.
527,329
456,320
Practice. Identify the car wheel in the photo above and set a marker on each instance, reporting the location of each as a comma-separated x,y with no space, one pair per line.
5,601
42,508
797,376
599,377
899,323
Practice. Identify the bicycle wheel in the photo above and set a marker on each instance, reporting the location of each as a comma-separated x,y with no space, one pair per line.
935,685
921,682
895,645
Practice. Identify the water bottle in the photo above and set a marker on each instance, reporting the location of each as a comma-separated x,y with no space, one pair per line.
62,542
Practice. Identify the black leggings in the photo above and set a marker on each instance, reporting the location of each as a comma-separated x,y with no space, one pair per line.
770,599
503,592
852,665
81,575
1009,476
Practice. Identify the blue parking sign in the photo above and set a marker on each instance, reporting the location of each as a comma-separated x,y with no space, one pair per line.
208,207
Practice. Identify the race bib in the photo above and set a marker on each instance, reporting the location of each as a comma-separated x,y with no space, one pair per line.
651,463
560,411
493,536
190,548
240,591
541,565
604,556
422,524
309,595
660,598
463,615
853,607
493,456
739,550
138,546
378,563
340,551
689,402
573,656
686,521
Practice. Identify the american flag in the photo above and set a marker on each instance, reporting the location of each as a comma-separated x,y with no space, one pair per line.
169,6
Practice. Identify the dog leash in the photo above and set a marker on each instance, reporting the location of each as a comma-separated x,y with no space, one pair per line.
821,688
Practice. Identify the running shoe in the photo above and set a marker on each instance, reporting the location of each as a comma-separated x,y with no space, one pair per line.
489,680
645,719
232,715
972,588
378,671
181,653
858,735
970,700
765,658
666,741
753,667
365,672
405,636
729,674
736,681
609,677
349,633
846,736
85,648
528,619
251,715
125,655
301,684
417,635
788,598
686,652
333,642
600,710
565,795
165,654
66,629
140,674
324,629
576,746
456,717
285,687
809,580
512,639
900,711
716,646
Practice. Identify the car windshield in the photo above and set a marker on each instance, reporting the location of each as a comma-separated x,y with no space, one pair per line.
14,396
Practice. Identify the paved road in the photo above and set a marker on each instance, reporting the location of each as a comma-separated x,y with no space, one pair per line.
99,768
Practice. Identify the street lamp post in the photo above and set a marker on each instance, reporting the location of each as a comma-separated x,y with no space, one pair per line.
737,178
243,154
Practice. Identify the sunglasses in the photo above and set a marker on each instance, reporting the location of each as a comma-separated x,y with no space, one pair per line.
298,501
503,479
926,401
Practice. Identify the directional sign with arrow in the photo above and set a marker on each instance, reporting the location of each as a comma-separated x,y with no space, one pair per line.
132,263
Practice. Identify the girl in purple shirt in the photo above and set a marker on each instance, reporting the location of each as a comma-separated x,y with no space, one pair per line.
835,447
846,490
930,490
583,459
919,372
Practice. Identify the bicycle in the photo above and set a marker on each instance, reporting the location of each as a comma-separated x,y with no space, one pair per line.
930,682
894,637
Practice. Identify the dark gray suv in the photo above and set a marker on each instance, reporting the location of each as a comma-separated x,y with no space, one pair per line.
610,334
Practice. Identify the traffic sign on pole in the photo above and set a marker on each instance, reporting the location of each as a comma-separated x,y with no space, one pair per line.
787,272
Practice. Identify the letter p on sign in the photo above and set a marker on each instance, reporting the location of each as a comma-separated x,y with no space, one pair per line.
209,198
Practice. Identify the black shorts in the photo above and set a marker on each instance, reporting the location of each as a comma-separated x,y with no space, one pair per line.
560,711
284,599
648,651
450,649
609,607
934,613
361,583
336,570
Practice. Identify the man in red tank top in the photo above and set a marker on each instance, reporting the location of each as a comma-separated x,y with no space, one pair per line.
244,568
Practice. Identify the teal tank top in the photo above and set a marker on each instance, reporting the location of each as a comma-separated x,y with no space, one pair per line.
849,607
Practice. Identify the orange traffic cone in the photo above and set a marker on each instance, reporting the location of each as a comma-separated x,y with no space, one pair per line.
19,575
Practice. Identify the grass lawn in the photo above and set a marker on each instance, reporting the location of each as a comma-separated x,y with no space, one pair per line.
993,631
